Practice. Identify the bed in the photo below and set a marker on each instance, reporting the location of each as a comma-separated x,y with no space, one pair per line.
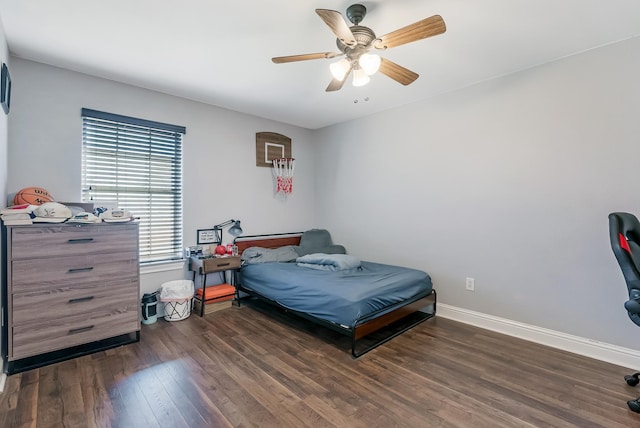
306,275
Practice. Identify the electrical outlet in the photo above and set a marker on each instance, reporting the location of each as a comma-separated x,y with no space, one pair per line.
471,284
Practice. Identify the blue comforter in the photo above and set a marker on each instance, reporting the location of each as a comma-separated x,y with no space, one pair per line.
345,297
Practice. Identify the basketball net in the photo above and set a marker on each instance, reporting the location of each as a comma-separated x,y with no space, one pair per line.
283,171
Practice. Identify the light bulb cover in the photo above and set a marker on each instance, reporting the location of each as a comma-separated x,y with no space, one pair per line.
360,77
370,63
340,69
235,230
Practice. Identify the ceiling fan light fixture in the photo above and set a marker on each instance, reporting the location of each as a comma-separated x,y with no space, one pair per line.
370,63
360,77
340,69
356,41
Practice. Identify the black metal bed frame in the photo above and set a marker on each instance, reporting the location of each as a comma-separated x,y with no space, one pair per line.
354,332
362,327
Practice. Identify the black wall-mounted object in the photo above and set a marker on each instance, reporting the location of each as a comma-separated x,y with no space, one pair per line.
5,89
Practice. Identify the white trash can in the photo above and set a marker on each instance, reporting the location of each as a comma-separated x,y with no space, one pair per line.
176,297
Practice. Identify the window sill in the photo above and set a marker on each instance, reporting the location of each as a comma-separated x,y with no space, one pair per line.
161,266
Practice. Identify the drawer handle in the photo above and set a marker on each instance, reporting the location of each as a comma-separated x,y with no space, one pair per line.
79,241
223,264
87,269
80,330
81,299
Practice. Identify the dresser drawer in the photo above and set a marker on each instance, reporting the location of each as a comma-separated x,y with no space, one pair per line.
26,274
35,241
213,264
57,302
39,338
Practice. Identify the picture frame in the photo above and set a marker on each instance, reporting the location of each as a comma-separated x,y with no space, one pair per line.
207,236
5,88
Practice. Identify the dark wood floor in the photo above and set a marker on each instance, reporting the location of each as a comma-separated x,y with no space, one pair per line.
242,368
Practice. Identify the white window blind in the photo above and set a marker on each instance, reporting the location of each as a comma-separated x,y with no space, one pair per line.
136,165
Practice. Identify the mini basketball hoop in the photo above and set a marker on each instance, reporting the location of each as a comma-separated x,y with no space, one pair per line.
283,172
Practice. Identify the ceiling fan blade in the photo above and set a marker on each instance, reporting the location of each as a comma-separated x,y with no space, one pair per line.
336,85
304,57
428,27
338,25
397,72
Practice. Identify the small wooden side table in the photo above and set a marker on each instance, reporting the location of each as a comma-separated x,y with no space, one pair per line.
206,265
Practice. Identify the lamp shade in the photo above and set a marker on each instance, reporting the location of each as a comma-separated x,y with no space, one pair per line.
360,78
235,230
370,63
340,69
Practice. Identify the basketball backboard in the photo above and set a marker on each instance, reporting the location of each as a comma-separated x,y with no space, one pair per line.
269,146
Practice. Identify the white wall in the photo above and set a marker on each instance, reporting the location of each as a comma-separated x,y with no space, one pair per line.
4,57
510,182
221,180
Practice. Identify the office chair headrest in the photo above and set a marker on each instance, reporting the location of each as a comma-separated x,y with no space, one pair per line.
624,233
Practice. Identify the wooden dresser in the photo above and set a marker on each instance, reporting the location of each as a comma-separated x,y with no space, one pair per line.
68,290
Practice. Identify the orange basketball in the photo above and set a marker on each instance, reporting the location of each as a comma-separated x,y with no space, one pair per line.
33,196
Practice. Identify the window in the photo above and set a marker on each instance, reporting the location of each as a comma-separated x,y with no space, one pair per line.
136,165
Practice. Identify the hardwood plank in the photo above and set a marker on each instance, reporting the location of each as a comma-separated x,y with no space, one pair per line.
60,396
26,414
251,367
224,391
8,405
123,366
264,389
97,402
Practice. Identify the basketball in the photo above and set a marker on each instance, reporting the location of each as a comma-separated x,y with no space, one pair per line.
33,196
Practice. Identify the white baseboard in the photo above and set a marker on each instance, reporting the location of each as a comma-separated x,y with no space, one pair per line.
613,354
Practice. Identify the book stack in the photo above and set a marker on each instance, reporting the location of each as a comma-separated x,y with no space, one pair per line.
217,297
17,214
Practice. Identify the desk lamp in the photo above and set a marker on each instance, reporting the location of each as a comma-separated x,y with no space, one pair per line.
234,230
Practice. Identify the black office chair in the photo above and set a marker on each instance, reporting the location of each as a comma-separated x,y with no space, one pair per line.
624,233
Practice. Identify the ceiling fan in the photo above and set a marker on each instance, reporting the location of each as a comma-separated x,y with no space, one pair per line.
355,42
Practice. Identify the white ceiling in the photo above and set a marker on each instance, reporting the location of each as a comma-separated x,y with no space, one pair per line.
219,52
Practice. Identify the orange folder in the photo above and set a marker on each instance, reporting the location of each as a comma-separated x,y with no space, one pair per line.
218,292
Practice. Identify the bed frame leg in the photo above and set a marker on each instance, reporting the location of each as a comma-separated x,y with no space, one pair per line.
385,339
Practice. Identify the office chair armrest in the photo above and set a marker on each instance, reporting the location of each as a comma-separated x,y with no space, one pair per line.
633,304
